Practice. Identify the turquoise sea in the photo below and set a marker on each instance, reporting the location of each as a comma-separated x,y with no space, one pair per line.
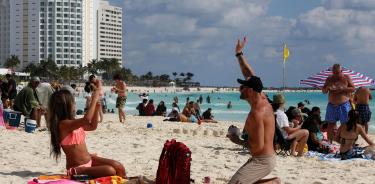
219,101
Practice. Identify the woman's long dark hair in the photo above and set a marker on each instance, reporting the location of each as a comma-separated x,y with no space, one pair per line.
353,120
60,107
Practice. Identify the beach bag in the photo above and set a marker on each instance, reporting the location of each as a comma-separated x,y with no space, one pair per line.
174,164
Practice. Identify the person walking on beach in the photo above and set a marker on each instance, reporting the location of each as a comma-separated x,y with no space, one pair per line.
120,89
339,87
361,99
260,124
68,134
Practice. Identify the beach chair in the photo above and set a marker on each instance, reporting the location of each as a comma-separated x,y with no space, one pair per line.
280,144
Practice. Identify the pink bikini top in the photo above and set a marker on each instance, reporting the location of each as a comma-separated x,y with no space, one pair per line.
78,136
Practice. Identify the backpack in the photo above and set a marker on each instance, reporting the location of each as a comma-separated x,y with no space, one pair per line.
174,164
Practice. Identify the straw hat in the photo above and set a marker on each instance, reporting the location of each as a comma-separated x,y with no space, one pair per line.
278,99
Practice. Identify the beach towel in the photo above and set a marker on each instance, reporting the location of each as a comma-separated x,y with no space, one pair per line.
108,180
58,181
64,179
334,157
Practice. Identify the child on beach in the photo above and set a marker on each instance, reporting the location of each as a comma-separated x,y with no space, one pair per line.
68,133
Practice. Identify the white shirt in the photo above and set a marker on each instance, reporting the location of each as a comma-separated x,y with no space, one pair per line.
282,121
44,92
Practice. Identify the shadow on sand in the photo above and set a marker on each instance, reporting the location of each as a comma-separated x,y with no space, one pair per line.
23,174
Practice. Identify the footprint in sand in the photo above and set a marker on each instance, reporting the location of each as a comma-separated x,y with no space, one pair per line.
185,131
195,132
205,132
177,131
215,133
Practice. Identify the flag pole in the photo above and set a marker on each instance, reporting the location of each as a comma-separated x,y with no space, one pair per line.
283,76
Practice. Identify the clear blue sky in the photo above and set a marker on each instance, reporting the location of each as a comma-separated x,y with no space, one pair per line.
165,36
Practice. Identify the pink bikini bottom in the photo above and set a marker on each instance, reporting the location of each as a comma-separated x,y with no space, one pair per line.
73,171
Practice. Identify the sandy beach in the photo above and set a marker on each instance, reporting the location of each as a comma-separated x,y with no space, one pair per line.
24,155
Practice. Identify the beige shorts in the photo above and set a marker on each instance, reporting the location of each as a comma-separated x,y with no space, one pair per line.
254,170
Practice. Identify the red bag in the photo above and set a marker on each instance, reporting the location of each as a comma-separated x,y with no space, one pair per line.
174,164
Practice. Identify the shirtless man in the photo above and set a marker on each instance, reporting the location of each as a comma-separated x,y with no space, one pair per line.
339,87
120,89
361,99
260,124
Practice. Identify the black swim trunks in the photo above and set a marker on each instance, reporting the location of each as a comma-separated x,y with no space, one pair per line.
364,113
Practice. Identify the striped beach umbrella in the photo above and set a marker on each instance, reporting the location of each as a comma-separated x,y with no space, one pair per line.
319,79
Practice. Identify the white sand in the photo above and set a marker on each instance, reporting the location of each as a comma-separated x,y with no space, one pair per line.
24,156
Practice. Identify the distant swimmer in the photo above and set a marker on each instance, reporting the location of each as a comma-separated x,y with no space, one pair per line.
229,106
143,96
307,102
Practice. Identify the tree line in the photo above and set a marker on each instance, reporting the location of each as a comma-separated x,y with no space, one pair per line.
106,68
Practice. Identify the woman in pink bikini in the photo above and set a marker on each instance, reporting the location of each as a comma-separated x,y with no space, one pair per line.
69,134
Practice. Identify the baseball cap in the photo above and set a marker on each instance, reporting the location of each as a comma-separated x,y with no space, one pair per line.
253,82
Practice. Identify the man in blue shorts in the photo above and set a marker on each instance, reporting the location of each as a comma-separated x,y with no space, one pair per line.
339,87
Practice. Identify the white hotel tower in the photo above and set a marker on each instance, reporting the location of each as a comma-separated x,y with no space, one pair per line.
42,29
70,32
109,28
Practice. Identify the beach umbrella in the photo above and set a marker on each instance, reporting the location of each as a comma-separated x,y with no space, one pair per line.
319,79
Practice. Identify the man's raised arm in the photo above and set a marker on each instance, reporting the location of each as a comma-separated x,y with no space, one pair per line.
246,69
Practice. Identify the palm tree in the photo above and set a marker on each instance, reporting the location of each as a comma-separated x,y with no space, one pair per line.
48,69
109,66
164,78
32,69
174,75
182,74
92,67
189,75
147,76
12,62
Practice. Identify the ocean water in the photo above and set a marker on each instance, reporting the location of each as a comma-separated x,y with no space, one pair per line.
219,102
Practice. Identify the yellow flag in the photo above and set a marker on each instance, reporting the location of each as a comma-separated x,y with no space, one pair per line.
286,53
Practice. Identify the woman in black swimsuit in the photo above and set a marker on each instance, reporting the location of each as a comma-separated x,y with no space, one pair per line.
348,133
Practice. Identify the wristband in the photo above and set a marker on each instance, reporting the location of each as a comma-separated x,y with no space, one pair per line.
239,54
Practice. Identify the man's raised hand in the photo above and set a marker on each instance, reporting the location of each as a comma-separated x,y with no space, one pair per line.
240,45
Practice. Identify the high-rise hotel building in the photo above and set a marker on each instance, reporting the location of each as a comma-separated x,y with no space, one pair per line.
43,29
109,28
4,30
70,32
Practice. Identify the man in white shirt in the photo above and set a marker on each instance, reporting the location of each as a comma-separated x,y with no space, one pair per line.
299,135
